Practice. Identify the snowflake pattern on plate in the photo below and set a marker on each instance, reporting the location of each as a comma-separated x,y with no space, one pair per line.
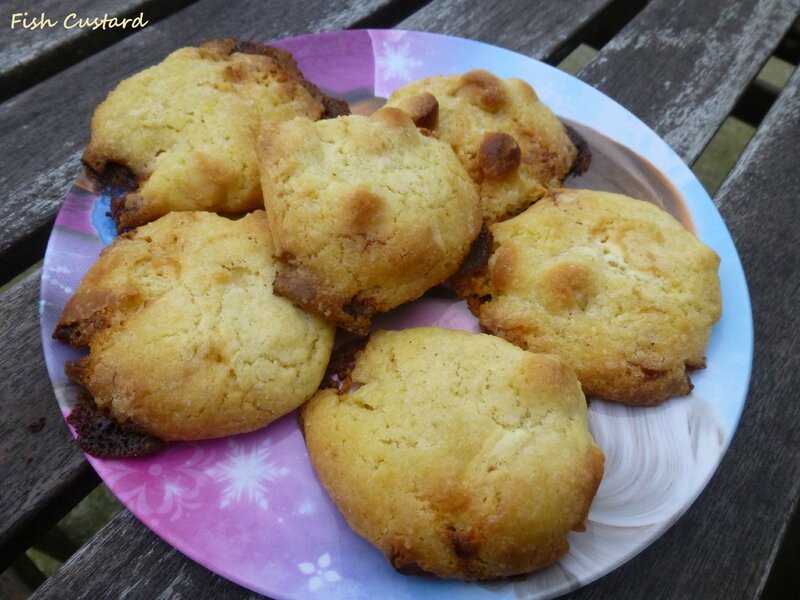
396,61
245,472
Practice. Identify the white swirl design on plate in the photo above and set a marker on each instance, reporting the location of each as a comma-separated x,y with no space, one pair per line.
657,460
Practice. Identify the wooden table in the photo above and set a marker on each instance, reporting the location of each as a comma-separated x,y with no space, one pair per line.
682,66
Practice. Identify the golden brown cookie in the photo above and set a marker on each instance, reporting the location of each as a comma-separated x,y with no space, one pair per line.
615,286
456,453
511,144
366,212
186,339
181,135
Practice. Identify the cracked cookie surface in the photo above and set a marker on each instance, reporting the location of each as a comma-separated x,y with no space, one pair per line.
456,453
615,286
366,212
184,131
511,144
186,339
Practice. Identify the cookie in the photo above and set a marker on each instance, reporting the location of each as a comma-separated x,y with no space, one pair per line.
456,454
366,213
100,435
615,286
512,145
181,135
186,339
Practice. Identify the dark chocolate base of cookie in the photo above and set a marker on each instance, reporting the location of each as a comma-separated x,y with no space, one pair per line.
334,107
584,159
101,436
478,256
114,180
342,363
118,212
70,333
307,290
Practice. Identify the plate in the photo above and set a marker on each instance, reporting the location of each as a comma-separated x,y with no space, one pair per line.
250,507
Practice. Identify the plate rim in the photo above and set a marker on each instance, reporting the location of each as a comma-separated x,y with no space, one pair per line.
704,205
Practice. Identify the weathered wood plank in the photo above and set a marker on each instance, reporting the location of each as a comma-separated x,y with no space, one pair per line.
725,545
152,569
48,125
784,579
37,41
681,66
514,25
42,471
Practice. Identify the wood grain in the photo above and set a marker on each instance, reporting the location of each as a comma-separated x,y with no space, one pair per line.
681,65
544,30
150,568
28,56
725,545
42,471
48,125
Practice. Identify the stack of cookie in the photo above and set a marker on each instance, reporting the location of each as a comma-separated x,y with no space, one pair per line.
257,216
186,339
